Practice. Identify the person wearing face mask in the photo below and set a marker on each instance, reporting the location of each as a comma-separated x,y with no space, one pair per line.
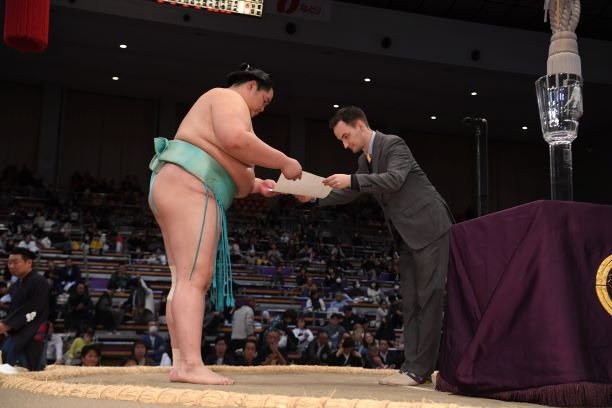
195,178
156,344
375,293
356,290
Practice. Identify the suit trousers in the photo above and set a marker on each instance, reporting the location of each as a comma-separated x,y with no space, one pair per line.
422,287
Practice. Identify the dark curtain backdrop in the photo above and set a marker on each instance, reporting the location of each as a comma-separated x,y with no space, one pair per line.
20,115
110,137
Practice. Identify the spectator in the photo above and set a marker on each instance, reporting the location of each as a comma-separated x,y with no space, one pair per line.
346,355
243,324
139,352
301,279
70,275
5,300
381,313
54,346
26,321
249,354
105,314
284,324
73,355
235,254
129,361
120,279
388,357
274,255
375,294
96,245
314,303
350,318
271,354
141,302
90,356
156,345
80,308
356,290
29,243
337,305
220,356
278,278
318,351
309,287
367,343
334,330
303,335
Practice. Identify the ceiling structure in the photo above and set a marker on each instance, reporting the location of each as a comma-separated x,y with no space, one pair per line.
167,60
595,16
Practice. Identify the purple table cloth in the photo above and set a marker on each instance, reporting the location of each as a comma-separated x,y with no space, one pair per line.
523,319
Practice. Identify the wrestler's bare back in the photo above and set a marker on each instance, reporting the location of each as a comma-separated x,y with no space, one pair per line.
197,129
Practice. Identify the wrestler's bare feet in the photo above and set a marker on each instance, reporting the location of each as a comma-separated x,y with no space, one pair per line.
198,375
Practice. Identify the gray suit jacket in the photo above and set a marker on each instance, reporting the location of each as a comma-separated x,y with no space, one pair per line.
408,199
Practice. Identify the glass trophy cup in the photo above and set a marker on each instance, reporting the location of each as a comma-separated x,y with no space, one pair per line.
560,103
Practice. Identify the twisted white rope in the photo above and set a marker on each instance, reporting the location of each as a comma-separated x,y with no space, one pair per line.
564,14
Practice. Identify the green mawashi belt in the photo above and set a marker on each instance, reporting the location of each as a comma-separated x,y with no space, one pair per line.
197,162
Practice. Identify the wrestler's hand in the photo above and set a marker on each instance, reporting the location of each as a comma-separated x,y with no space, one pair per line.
265,186
4,328
340,181
292,170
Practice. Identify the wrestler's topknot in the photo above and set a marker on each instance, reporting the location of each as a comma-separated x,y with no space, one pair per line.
246,73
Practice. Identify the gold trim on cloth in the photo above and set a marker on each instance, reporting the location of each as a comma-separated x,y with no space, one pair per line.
601,284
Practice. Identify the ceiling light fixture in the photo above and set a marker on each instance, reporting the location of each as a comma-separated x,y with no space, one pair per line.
367,80
336,106
115,78
473,93
122,46
524,128
433,117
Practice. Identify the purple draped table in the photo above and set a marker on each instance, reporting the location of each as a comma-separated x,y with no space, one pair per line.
524,321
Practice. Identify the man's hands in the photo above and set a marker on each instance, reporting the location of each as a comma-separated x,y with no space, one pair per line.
4,328
292,169
340,181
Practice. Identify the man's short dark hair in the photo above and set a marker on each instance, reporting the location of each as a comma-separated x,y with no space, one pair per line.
25,253
248,73
220,338
348,115
90,347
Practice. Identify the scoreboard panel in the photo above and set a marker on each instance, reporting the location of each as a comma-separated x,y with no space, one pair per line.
244,7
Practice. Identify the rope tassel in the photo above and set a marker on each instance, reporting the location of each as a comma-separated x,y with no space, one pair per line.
221,290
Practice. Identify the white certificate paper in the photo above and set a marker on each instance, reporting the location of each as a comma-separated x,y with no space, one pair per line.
310,185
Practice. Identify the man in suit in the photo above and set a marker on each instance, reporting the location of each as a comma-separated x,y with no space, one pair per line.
26,323
419,220
156,344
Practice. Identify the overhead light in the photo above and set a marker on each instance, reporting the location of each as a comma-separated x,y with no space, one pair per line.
473,93
433,117
524,128
336,106
367,80
115,78
124,46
